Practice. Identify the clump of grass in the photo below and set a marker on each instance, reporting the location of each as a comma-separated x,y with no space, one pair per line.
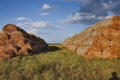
58,64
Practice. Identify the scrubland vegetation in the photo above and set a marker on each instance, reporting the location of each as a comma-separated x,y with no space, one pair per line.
58,64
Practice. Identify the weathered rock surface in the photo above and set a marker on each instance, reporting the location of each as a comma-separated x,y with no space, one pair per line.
14,41
101,40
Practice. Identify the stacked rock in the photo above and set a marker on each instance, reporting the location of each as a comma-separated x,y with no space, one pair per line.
15,41
101,40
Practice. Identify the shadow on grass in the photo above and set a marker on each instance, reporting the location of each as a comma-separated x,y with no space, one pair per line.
48,49
53,48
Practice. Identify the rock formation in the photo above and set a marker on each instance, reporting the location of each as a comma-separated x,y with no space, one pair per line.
14,41
101,40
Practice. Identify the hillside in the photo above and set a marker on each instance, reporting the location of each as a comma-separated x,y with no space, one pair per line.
58,64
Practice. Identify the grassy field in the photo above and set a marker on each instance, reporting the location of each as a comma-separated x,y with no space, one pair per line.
58,64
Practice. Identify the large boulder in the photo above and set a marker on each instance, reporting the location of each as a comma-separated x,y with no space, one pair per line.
14,41
101,40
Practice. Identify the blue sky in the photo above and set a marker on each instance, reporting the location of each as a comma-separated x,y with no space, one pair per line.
55,20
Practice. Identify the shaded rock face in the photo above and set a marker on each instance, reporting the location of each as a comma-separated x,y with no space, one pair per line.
101,40
14,41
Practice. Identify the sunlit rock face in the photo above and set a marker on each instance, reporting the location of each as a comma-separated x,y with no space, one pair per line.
14,41
101,40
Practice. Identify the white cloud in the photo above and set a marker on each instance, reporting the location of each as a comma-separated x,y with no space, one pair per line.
44,14
38,24
78,18
44,33
22,19
110,14
34,31
88,14
47,7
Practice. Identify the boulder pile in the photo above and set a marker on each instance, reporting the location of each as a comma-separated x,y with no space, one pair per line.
14,41
101,40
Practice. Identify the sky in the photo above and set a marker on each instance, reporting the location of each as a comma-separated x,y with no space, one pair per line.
56,20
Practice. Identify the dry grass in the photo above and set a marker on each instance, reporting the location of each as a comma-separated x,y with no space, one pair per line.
58,64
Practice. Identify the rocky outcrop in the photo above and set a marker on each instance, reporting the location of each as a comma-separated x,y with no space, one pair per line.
101,40
14,41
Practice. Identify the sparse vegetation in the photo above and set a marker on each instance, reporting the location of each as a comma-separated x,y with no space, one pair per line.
58,64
